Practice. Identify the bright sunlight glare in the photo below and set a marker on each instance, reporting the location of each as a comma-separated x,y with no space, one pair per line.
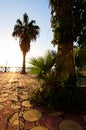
10,53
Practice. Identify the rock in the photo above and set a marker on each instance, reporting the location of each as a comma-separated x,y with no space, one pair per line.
39,128
70,125
15,106
32,115
14,119
26,104
1,107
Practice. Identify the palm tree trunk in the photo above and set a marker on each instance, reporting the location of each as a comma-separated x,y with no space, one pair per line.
24,65
65,61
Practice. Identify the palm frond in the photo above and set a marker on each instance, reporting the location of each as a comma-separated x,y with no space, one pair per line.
32,22
42,65
25,19
19,22
37,62
37,66
50,58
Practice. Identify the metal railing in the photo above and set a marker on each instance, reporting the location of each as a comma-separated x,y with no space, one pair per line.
12,69
81,81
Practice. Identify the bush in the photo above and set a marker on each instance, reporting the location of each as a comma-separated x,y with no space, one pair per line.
62,93
60,98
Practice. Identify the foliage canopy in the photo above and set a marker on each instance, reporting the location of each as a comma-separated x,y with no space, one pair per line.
68,21
26,32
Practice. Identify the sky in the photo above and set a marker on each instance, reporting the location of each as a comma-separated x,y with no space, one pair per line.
10,11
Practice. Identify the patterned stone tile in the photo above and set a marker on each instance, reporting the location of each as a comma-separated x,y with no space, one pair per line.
16,112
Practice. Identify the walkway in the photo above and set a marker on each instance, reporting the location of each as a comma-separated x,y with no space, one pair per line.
16,112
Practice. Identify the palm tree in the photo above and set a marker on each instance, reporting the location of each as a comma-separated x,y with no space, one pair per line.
43,66
26,32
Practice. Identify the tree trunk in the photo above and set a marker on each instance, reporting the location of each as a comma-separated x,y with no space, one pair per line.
65,60
24,65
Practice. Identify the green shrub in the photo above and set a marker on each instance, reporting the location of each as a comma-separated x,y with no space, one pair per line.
55,94
65,98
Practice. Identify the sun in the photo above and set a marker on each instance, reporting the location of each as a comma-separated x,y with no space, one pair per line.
14,57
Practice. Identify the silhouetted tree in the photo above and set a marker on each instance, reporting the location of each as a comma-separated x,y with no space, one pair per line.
26,32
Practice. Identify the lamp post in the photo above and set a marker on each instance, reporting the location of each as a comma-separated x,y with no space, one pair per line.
6,66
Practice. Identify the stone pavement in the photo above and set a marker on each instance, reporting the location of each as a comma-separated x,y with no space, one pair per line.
16,112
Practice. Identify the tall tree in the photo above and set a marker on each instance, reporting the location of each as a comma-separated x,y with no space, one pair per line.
68,21
26,32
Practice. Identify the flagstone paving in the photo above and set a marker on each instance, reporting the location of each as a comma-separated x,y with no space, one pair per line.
16,112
